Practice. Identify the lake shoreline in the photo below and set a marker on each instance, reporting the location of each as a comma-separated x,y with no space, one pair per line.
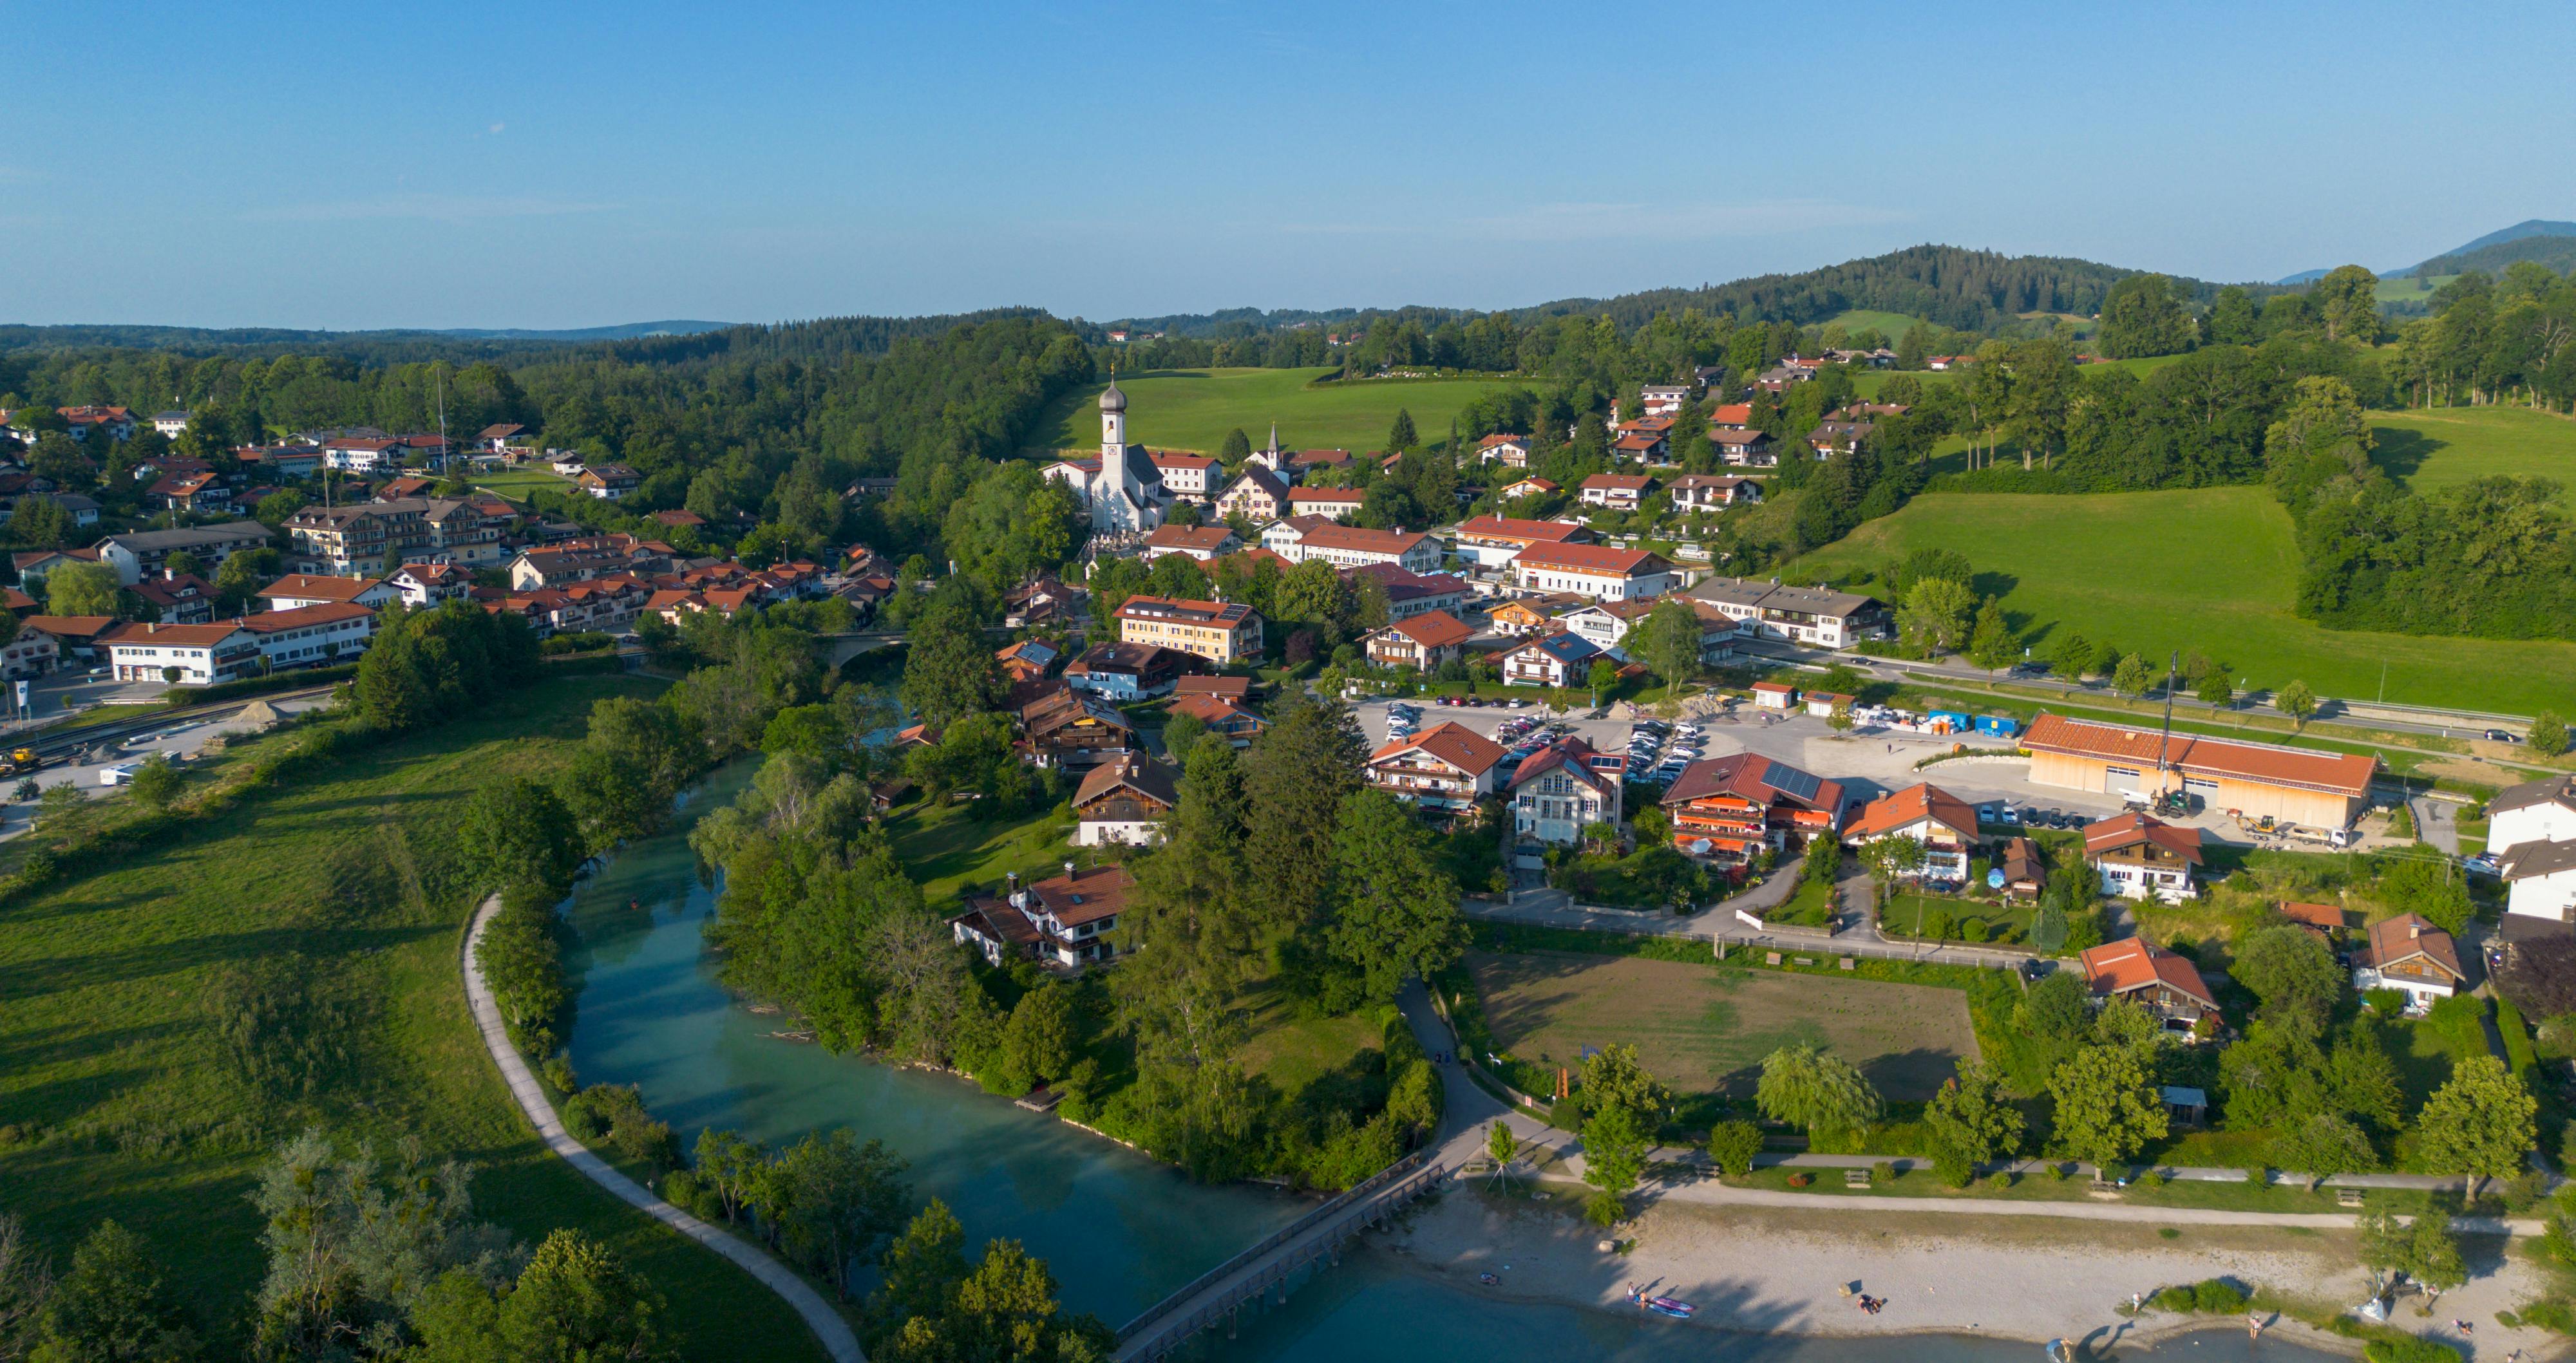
1768,1272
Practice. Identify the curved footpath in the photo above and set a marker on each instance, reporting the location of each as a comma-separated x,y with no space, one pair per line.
826,1323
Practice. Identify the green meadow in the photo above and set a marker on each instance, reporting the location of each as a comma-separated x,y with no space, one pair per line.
2444,447
1193,409
2212,569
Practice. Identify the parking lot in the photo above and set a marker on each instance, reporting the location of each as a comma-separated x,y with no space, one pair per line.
181,742
1868,761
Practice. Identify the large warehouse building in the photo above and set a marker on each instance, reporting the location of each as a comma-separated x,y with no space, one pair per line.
2320,789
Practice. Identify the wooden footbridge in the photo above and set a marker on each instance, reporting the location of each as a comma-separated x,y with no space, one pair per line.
1221,1293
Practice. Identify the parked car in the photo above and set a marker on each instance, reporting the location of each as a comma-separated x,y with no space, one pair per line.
2484,863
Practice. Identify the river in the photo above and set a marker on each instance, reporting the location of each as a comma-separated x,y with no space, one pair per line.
1118,1230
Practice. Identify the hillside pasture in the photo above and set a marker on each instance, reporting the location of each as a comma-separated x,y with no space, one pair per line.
2212,569
1892,325
1705,1030
2443,447
1193,409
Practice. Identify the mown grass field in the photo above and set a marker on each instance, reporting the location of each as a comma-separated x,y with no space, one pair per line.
2212,569
2444,447
346,888
948,847
2411,289
1193,409
1892,325
519,482
1706,1031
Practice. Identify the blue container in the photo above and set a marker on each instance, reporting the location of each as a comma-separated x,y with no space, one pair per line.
2000,726
1959,723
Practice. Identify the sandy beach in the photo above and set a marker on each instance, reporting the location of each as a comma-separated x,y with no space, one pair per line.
1779,1270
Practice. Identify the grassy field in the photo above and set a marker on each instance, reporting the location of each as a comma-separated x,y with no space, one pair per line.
2446,446
1706,1031
1193,409
948,847
2411,289
123,1101
1892,325
1293,1050
519,482
2210,569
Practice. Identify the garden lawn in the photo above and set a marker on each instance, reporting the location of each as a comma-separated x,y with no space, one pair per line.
2005,923
1293,1049
2444,447
119,1096
518,483
2212,569
1193,409
1705,1029
949,847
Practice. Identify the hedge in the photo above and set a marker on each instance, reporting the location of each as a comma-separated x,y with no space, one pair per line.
293,680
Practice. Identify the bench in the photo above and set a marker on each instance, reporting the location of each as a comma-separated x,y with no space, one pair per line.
1848,964
1806,960
2347,1197
1855,1178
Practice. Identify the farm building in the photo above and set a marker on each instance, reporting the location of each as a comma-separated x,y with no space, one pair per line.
2325,790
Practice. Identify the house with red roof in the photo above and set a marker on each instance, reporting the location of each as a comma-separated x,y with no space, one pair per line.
1201,542
2142,857
1424,642
1730,808
1447,766
1063,921
1617,491
1510,451
2166,985
1601,571
1561,789
1491,541
2408,953
1218,714
1941,823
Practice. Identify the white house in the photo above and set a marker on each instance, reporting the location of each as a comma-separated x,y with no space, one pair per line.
1617,491
2141,857
1510,451
2541,880
1711,491
1188,477
1942,823
203,654
1605,625
1201,542
1335,502
2408,953
2535,811
1805,615
1447,766
1300,538
1559,790
312,636
1599,571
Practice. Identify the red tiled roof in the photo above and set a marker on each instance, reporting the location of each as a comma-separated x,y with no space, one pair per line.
1209,709
1451,742
1433,629
2132,963
2314,915
2131,829
1207,537
1758,780
1591,558
1085,896
1912,805
329,612
1614,482
2346,774
1354,539
311,587
2411,934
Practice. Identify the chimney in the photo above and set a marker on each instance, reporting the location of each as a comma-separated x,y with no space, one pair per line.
2414,930
1068,868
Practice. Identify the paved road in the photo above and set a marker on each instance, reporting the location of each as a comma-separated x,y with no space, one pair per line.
826,1323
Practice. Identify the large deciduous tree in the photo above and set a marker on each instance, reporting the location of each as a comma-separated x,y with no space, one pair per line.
2107,1104
1395,912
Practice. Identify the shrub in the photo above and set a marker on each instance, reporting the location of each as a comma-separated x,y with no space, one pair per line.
2218,1296
2408,1349
2001,1178
1936,924
2388,1003
559,1075
2258,1176
2151,1179
1732,1146
2179,1299
2056,1171
1883,1172
1972,929
638,1136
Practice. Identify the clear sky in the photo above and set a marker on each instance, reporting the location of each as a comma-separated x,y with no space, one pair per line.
559,165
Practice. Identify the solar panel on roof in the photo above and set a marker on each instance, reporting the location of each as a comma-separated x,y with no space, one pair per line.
1798,784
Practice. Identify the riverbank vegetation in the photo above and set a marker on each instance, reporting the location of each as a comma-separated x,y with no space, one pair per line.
288,960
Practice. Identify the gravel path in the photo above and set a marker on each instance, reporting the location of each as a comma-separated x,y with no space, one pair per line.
826,1323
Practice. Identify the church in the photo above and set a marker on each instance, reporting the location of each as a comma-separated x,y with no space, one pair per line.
1123,490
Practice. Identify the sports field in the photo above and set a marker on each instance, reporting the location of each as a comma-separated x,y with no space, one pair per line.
1192,409
2446,446
2212,569
1705,1030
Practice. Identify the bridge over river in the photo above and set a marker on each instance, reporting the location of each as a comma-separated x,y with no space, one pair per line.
1259,1272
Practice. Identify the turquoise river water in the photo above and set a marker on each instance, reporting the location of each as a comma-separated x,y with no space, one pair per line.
1118,1230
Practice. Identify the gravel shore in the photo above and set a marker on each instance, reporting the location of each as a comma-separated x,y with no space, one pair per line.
1777,1270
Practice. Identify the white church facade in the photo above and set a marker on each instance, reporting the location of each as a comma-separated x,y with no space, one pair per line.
1123,490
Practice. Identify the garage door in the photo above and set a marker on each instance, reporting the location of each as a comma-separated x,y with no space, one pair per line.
2117,779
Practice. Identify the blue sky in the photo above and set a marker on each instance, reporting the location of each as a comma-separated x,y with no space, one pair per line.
547,165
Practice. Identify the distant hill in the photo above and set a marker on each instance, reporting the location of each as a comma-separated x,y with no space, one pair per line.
1949,286
625,332
2551,243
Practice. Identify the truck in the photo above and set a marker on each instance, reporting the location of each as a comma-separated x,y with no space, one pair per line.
23,761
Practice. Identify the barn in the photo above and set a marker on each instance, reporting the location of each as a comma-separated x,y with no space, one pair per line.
2296,785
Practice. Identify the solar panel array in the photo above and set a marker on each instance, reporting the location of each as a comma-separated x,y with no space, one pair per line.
1791,781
